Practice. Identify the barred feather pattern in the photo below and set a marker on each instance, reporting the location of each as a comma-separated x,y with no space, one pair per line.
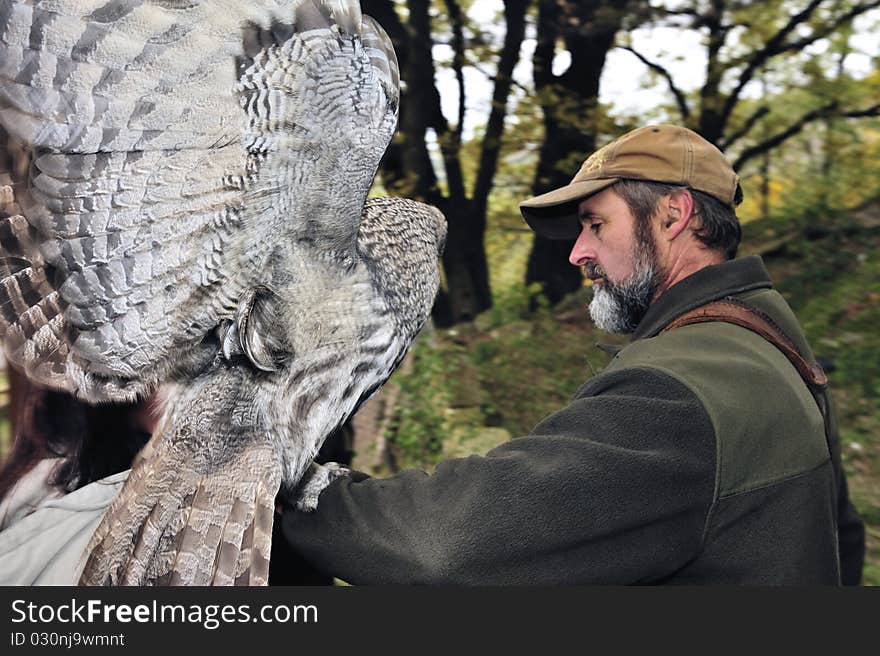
168,144
206,523
183,193
31,311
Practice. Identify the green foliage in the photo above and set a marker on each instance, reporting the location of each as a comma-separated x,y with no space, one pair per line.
420,420
531,363
827,265
513,303
530,369
527,365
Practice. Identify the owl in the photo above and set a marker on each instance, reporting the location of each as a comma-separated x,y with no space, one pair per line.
183,193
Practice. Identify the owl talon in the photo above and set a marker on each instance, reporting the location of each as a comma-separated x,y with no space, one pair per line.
314,481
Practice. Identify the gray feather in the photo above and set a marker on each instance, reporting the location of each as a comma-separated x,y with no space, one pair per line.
184,190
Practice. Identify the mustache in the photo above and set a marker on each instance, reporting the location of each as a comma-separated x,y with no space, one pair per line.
594,271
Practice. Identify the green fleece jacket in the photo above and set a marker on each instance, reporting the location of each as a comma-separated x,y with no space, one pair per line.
697,457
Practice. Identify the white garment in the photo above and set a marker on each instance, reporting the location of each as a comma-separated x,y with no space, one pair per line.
43,533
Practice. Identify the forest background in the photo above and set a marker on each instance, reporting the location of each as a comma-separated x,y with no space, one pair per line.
503,99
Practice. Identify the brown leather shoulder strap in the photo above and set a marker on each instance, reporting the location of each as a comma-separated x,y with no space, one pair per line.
735,312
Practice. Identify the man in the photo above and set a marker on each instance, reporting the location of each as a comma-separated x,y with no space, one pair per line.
699,455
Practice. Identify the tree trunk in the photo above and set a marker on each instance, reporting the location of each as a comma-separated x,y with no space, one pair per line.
465,266
569,103
407,169
712,121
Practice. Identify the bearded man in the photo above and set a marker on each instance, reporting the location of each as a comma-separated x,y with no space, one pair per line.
705,453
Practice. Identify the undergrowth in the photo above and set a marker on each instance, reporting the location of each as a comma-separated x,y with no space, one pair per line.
526,364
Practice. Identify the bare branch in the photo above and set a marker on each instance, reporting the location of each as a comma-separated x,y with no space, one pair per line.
828,28
457,19
724,144
515,19
771,47
873,110
679,12
771,142
829,110
778,43
679,96
482,71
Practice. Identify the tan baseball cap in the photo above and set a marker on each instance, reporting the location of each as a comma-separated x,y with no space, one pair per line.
659,153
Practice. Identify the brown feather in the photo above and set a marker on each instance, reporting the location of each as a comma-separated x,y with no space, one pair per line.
187,527
217,238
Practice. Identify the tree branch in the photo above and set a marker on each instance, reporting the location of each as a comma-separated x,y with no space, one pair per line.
457,44
690,12
515,19
724,144
545,48
828,28
657,68
482,71
873,110
793,129
777,44
771,47
423,110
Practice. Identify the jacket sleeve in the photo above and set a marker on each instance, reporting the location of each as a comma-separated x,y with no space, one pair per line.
614,488
850,527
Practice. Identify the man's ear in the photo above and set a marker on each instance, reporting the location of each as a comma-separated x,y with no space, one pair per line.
679,210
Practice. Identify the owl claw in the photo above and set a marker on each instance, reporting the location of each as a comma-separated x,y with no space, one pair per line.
314,481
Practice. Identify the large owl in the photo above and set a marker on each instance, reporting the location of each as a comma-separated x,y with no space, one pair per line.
184,185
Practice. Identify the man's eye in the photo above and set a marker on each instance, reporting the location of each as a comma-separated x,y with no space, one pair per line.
595,227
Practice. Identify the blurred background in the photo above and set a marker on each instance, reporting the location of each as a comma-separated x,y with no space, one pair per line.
504,99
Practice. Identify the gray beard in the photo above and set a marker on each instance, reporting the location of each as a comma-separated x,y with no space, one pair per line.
620,307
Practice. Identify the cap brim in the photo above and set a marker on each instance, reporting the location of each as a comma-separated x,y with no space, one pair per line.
554,215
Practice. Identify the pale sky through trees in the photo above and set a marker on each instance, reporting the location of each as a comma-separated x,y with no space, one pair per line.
624,76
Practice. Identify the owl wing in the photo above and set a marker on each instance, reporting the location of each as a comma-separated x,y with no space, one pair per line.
179,524
156,151
30,308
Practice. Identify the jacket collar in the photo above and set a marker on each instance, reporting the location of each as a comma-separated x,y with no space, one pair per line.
706,285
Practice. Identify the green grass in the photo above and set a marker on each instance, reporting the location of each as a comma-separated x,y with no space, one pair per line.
833,285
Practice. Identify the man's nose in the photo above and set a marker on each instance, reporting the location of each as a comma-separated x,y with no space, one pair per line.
581,253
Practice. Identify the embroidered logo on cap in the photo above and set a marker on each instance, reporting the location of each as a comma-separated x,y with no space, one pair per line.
596,161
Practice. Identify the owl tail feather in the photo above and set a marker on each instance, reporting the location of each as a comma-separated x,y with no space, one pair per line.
174,525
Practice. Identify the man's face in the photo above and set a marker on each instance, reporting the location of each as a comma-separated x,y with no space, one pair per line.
619,257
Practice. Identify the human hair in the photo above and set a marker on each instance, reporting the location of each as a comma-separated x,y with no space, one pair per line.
92,441
719,226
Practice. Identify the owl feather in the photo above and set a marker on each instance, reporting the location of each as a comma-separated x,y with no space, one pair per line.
183,202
